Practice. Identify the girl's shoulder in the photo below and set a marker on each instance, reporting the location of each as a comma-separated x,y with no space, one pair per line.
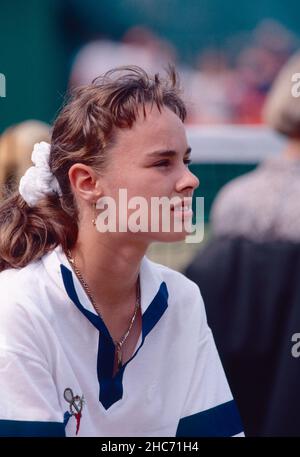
14,277
18,284
185,305
179,286
169,274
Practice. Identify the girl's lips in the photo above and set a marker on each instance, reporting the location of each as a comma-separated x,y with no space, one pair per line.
183,211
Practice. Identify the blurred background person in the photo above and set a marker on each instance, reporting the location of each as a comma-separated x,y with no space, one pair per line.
139,46
16,146
254,259
264,204
256,65
210,86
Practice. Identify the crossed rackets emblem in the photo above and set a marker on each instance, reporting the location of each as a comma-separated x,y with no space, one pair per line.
76,403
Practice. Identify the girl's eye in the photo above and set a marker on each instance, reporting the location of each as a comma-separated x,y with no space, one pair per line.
166,163
162,163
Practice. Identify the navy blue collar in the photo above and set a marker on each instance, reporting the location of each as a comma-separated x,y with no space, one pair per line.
154,302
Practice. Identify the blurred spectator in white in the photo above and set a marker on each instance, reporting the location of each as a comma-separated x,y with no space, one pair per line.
210,86
16,146
140,46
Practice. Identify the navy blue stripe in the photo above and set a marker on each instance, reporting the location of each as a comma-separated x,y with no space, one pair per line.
155,310
220,421
70,289
111,388
9,428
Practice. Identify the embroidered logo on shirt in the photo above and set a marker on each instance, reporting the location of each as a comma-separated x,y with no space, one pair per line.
75,408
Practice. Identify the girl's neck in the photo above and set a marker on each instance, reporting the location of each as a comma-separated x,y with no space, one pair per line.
109,268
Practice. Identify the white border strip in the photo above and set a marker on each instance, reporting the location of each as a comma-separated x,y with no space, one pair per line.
233,143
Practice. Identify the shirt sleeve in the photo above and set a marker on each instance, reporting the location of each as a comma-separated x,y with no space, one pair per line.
28,402
209,409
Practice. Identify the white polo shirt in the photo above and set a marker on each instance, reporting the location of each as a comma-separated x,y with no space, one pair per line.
56,360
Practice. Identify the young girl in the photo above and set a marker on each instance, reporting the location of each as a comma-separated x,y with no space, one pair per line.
95,339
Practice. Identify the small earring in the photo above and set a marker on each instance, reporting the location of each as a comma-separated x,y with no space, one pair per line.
94,219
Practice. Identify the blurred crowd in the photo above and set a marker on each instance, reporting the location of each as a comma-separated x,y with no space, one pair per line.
224,85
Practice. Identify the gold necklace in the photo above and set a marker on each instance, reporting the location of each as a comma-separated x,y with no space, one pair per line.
118,344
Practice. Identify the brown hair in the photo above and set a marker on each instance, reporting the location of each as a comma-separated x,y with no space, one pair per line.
83,132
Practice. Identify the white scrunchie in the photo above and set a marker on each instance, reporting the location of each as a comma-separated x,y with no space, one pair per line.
38,181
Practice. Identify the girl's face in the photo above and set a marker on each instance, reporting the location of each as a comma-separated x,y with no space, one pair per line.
151,160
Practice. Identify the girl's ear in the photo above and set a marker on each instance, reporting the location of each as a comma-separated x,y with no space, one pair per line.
85,182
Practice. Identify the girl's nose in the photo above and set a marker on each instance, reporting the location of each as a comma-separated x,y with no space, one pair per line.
187,180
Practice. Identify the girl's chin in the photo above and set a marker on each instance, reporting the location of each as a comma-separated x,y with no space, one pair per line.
170,237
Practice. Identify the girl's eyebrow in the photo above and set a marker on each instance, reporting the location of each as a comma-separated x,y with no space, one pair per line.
168,153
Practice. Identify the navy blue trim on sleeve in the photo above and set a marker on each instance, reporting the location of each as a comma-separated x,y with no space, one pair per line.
12,428
221,421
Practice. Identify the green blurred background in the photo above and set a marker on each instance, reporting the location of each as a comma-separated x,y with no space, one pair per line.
38,39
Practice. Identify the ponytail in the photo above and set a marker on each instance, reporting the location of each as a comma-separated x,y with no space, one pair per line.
27,234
